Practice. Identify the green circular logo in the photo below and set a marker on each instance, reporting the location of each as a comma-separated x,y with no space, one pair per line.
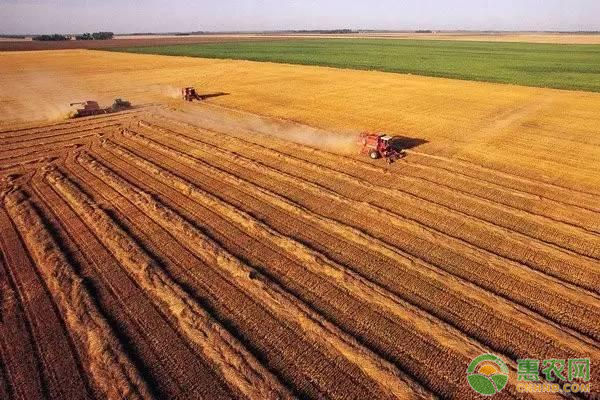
487,374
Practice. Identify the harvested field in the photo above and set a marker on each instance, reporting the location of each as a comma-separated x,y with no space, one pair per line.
222,250
207,259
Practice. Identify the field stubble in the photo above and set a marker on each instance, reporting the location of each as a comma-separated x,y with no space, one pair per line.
206,259
277,269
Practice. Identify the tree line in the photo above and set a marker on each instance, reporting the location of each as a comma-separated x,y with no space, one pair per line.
84,36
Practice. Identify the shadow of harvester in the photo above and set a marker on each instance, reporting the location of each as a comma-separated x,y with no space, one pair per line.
209,95
400,143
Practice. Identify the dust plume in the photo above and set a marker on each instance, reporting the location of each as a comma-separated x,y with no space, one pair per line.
306,135
37,96
170,91
220,119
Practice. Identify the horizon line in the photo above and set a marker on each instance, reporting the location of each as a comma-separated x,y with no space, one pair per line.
322,31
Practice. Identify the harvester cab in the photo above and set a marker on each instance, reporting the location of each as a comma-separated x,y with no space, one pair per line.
378,145
190,94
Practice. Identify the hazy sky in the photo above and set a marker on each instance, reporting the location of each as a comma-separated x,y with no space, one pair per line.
72,16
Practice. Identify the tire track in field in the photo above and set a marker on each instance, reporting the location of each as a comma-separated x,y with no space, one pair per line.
454,317
560,234
529,147
29,163
36,153
584,164
109,365
50,144
534,205
590,202
490,165
577,138
186,232
21,369
5,388
515,290
236,365
60,371
75,131
170,365
74,123
535,129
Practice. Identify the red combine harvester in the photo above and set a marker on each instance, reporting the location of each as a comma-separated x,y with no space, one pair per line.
378,145
91,107
190,94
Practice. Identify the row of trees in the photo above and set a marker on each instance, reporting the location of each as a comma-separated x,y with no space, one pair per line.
95,36
85,36
48,38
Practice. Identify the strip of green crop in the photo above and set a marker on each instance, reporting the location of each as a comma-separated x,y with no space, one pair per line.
574,67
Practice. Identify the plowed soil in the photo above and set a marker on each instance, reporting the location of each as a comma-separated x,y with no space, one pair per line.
201,253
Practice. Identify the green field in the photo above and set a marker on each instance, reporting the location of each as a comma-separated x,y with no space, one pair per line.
544,65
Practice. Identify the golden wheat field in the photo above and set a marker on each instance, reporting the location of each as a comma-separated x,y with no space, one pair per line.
239,247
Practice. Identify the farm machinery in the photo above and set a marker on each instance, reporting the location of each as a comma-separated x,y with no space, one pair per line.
378,145
91,107
190,94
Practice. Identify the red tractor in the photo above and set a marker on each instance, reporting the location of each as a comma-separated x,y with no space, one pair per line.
190,94
378,145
